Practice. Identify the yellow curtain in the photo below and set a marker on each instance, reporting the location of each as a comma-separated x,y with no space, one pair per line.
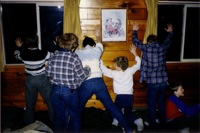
152,23
1,52
71,17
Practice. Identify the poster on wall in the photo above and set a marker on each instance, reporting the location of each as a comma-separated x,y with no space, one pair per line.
113,25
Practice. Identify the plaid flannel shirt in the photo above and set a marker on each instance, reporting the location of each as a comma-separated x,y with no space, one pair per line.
65,68
153,65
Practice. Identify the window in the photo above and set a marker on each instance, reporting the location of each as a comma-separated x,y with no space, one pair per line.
47,19
20,18
50,24
185,19
17,20
191,48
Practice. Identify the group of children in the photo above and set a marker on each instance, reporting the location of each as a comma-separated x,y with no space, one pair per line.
76,74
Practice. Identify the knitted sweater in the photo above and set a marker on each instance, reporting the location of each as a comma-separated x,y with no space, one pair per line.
91,56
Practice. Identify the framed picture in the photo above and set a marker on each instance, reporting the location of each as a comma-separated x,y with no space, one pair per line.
113,25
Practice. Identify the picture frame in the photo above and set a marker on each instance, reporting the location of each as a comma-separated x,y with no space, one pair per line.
113,23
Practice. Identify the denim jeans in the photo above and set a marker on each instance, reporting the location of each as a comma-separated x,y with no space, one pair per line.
35,84
156,97
67,114
97,86
125,101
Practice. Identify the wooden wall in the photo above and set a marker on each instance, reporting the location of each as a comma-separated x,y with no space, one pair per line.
13,78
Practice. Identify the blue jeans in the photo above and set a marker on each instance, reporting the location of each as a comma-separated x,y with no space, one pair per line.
97,86
35,84
67,114
125,101
156,96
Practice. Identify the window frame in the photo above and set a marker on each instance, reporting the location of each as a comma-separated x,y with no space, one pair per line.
38,4
184,33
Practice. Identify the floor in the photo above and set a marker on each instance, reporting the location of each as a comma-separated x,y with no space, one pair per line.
94,120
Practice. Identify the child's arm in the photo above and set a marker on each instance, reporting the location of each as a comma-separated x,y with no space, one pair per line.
133,50
137,58
135,39
184,108
97,34
106,71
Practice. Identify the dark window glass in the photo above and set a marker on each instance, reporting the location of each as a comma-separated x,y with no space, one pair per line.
17,20
171,14
192,34
51,23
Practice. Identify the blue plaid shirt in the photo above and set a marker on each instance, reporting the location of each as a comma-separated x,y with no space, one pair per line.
65,68
153,65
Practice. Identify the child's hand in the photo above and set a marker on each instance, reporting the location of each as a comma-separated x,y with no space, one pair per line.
133,49
136,26
18,42
169,28
97,31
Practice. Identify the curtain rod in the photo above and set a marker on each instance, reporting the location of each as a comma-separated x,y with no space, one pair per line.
179,2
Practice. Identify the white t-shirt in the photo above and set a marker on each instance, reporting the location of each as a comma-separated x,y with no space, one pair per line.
122,80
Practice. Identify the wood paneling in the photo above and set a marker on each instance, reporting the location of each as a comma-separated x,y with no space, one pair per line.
13,85
13,78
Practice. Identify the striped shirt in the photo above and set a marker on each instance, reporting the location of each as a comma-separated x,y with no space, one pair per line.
33,59
153,65
65,69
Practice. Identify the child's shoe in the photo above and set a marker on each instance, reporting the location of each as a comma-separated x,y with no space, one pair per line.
115,122
139,123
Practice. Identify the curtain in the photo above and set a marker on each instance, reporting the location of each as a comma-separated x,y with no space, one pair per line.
1,52
71,17
152,23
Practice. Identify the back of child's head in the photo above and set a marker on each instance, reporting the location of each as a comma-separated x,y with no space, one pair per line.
68,41
174,86
88,41
31,40
151,38
121,62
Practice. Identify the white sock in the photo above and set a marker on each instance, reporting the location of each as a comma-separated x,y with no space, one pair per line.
115,122
139,123
184,130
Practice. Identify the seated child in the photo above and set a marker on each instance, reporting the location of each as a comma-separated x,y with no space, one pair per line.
178,114
123,85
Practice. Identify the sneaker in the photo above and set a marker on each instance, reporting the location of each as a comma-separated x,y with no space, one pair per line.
115,122
139,123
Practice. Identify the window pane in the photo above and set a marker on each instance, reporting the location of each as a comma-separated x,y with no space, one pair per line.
51,23
17,20
171,14
192,34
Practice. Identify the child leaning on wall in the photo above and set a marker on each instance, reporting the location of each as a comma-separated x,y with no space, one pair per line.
123,86
179,115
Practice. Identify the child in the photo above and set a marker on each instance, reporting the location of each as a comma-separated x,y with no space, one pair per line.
34,60
153,72
94,84
178,114
123,85
66,74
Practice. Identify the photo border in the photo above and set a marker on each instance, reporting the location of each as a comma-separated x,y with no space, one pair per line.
114,25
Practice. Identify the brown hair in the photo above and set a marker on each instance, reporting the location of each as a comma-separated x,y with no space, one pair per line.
68,41
121,62
174,86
